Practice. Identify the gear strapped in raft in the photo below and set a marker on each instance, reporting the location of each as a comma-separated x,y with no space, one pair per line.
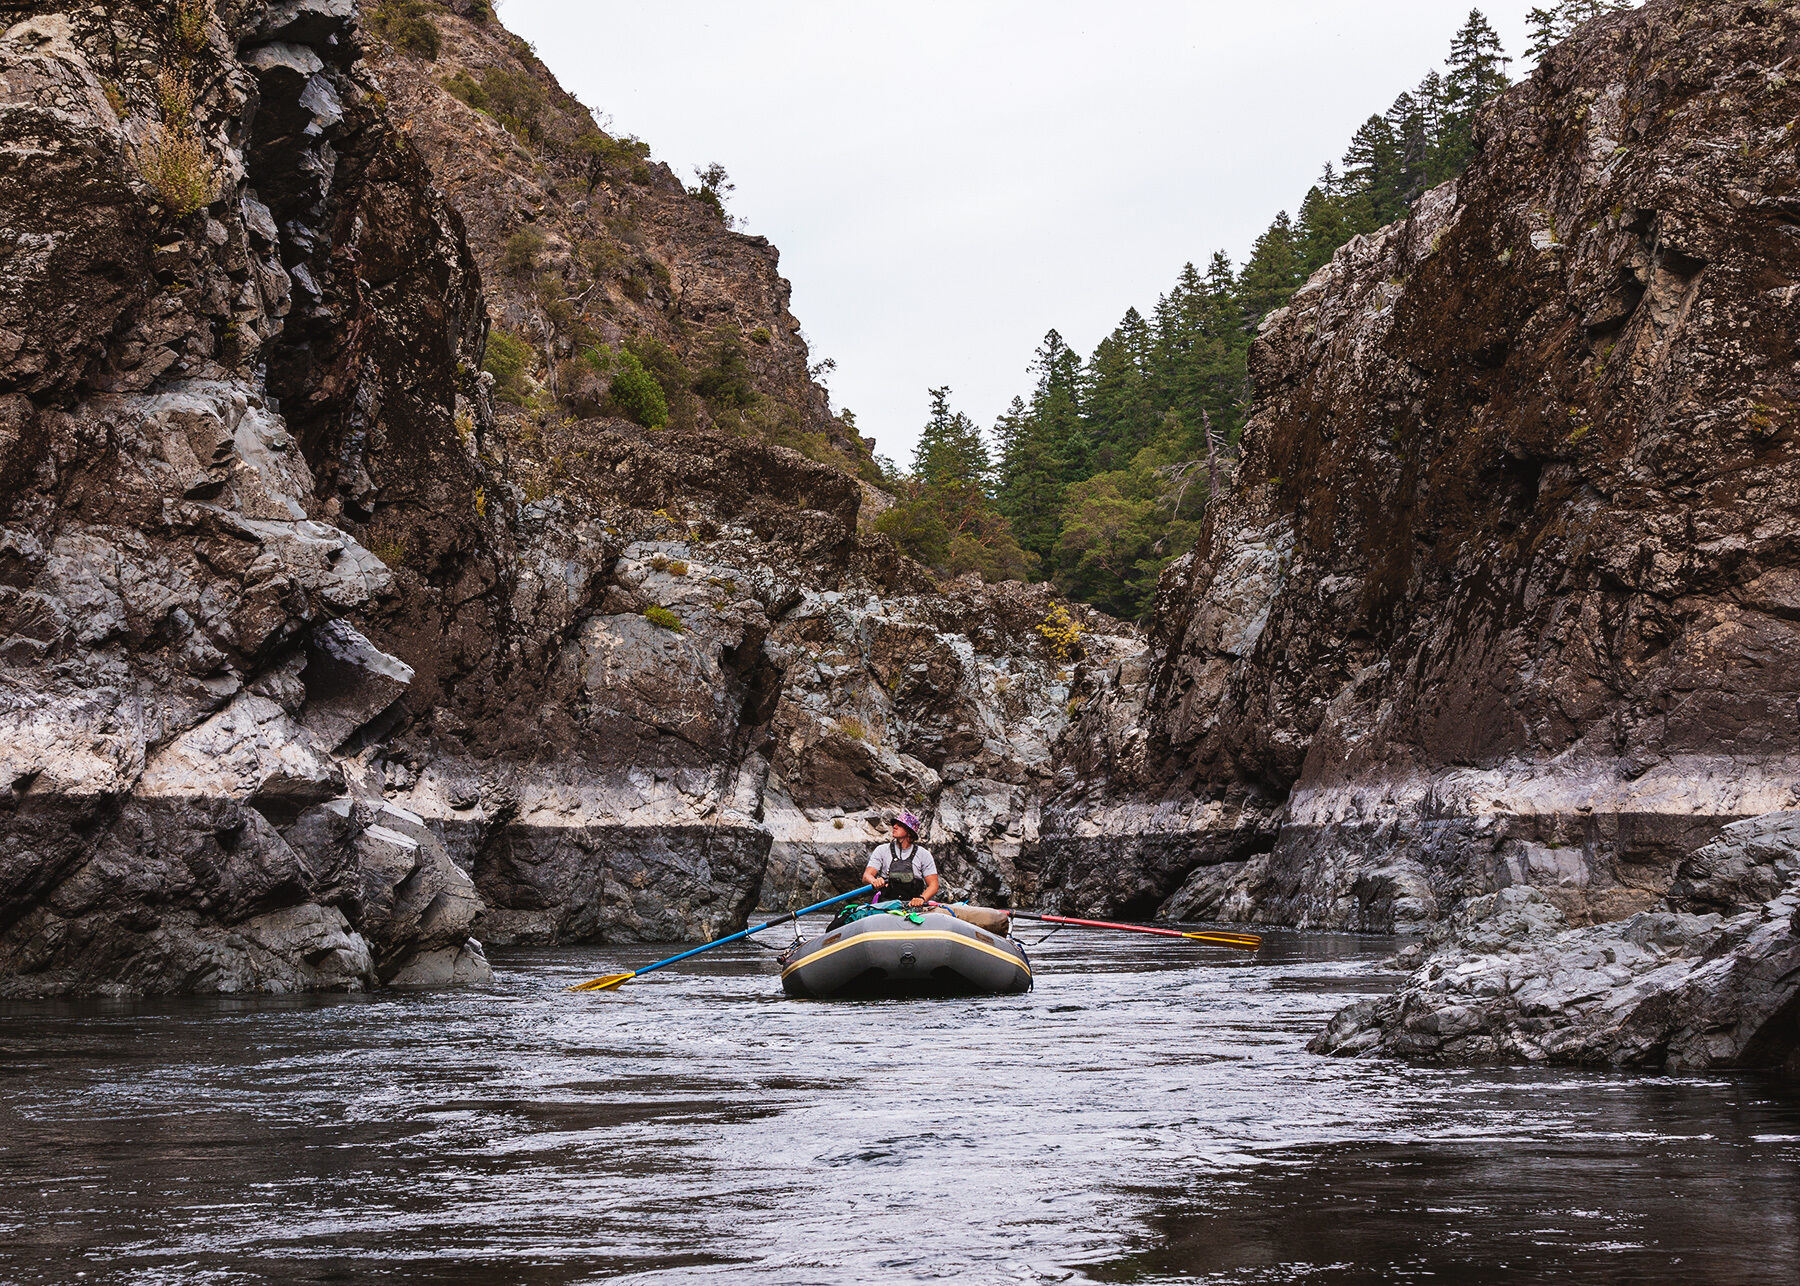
892,950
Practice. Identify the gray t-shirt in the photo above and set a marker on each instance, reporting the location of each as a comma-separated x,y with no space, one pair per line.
883,857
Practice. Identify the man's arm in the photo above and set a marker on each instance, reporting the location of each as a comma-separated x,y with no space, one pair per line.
931,888
872,875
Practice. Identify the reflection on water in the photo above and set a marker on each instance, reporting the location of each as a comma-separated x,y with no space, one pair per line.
1149,1113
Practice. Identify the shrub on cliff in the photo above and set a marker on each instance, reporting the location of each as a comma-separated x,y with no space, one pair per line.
515,100
176,165
507,359
726,381
664,617
919,530
407,26
636,395
173,159
523,249
605,154
467,88
671,375
1062,634
713,183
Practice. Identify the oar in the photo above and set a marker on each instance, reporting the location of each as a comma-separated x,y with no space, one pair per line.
612,980
1242,941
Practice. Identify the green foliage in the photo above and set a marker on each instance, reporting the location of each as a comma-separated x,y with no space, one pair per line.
946,517
507,359
407,26
662,616
711,188
1104,473
516,100
636,395
523,248
919,530
1121,528
467,88
390,549
950,452
761,335
671,375
187,26
605,154
727,381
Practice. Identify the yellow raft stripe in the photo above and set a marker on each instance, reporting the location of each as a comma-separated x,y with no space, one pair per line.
879,935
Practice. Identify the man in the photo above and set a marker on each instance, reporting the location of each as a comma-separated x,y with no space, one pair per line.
902,868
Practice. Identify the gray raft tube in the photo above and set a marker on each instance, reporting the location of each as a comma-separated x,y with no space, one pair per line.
890,956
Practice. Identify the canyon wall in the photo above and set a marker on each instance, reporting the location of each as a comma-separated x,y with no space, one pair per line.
1506,594
326,654
318,664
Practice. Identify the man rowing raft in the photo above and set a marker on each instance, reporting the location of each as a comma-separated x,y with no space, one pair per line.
903,868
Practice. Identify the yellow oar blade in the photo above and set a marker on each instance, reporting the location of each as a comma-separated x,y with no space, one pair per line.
607,983
1242,941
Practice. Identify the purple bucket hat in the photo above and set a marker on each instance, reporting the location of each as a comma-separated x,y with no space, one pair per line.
907,820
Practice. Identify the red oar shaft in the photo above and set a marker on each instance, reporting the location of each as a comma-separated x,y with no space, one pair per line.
1109,924
1242,941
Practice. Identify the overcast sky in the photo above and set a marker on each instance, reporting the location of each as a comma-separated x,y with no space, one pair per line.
948,179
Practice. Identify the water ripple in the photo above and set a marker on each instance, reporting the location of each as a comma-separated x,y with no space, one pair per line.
1147,1114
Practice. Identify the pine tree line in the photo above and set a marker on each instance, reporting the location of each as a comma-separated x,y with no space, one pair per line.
1102,475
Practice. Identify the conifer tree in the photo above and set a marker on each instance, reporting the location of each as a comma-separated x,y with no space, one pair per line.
1272,273
946,517
1322,226
950,452
1056,408
1412,156
1477,72
1114,399
1031,485
1433,100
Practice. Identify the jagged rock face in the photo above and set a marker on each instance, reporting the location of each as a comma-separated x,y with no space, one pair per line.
1710,980
626,249
310,665
715,692
1505,595
180,692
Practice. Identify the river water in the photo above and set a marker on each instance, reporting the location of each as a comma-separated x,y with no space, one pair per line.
1149,1113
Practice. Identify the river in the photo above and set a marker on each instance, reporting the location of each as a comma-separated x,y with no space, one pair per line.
1148,1114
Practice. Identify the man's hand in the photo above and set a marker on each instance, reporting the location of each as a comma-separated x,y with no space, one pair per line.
877,881
916,902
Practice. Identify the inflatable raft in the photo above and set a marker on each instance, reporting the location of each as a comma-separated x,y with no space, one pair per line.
893,954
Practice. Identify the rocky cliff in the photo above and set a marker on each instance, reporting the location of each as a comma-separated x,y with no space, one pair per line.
315,666
1506,592
586,241
1498,631
225,280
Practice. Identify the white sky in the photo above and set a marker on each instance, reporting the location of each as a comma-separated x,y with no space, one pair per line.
948,179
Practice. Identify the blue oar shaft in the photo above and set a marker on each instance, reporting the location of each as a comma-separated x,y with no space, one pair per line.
758,928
